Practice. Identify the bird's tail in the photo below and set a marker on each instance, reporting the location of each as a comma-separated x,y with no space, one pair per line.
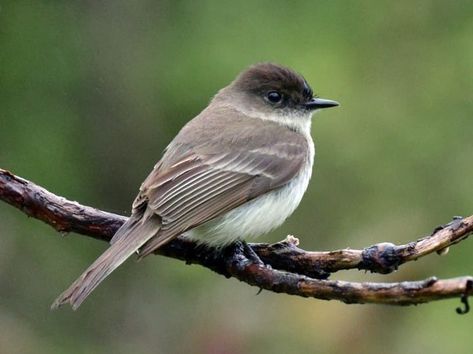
131,236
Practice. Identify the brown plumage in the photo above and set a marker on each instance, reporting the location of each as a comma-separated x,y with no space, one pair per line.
206,171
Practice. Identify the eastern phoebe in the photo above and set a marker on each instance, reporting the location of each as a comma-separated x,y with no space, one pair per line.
235,171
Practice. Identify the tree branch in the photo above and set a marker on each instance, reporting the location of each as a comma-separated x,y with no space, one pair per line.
288,269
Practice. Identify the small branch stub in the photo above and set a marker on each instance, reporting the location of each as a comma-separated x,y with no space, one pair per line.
464,298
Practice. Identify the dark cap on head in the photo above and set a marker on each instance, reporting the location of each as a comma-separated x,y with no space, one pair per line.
268,76
280,86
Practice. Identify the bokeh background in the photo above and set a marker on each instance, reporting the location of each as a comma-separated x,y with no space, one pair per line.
91,93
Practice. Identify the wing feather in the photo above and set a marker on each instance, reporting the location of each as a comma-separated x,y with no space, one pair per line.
196,183
235,179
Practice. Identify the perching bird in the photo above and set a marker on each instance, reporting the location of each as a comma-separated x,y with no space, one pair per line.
235,171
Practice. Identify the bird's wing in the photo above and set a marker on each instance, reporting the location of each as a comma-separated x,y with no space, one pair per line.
199,188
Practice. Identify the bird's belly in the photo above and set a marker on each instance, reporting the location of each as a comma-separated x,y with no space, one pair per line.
256,217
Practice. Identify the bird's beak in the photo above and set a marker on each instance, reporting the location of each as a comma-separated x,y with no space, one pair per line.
319,103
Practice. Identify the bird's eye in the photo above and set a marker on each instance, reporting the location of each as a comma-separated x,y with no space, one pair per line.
274,96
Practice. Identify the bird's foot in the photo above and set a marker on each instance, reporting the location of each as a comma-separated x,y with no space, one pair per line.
241,251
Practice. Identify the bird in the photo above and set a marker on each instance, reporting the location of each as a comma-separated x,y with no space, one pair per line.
235,171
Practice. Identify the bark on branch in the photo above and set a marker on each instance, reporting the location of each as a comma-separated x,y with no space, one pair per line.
288,269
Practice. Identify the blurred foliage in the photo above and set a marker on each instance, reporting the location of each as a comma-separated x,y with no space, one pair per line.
91,93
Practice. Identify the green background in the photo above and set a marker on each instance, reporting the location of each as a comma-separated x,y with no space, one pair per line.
92,91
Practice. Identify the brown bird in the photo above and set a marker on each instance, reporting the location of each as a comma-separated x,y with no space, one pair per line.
237,170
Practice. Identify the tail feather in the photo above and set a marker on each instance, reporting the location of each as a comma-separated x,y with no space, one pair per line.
133,234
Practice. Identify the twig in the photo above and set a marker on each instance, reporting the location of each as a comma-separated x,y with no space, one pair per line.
292,270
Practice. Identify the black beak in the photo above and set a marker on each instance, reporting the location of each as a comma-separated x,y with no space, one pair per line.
319,103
